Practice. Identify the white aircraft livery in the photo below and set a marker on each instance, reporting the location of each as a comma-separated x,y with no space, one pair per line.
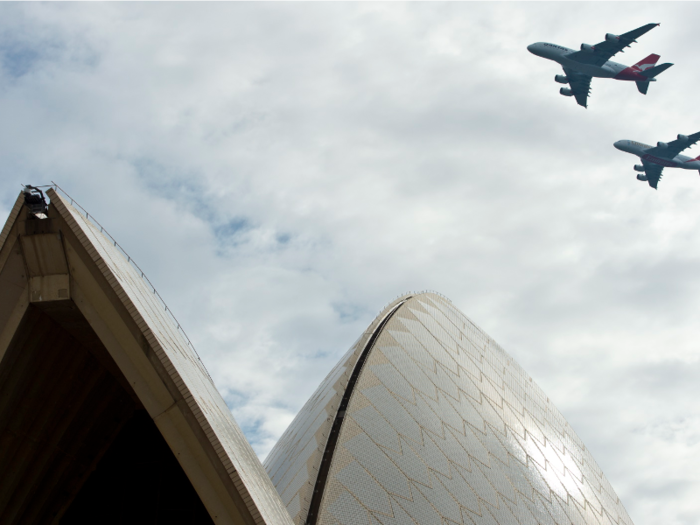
594,61
664,155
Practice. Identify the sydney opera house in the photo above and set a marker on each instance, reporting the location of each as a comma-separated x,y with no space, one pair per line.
108,416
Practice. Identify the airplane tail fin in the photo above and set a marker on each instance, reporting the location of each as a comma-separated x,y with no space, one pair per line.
646,63
657,70
642,86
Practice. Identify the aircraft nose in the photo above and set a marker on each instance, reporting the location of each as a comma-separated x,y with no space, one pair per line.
618,144
536,49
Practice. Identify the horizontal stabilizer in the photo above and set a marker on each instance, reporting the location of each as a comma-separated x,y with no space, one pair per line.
642,86
652,72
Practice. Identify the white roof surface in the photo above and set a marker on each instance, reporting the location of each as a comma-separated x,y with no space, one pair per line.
183,366
444,427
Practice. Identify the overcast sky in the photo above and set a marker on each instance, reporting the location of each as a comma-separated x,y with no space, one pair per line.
282,171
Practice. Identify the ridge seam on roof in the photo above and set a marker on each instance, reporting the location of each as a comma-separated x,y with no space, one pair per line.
329,449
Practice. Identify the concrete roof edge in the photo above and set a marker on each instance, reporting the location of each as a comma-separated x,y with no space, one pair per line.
239,459
14,213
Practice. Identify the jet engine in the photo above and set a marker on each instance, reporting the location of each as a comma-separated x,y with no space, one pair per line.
612,38
587,48
683,138
638,167
566,92
562,79
662,145
642,177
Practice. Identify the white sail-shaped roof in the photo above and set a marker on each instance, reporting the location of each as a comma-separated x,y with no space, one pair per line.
77,274
440,425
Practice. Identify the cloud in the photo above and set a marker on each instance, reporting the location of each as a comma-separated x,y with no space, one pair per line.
282,171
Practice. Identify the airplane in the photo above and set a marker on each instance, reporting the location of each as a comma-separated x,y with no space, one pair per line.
594,61
664,155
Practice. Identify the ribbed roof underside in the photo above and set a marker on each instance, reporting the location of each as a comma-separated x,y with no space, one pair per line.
180,395
183,366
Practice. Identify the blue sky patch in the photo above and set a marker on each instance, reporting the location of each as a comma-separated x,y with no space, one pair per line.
18,60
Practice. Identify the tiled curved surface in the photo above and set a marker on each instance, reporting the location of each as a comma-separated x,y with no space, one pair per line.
294,460
293,463
444,427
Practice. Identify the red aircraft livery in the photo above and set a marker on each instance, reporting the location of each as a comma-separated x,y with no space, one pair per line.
594,61
664,155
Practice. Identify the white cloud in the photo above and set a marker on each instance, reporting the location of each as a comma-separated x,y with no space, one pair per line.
282,171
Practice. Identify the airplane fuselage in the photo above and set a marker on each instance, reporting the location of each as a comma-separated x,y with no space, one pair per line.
639,149
608,70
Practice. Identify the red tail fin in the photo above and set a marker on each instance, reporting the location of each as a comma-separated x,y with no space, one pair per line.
646,63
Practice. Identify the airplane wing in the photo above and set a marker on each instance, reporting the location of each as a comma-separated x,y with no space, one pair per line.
653,173
605,50
674,147
580,85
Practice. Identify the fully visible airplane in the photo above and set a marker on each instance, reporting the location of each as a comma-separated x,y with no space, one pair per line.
664,155
594,61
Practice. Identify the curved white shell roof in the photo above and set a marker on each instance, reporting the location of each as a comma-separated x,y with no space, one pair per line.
178,393
441,426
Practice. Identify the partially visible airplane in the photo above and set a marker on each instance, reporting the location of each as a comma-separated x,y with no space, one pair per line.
664,155
594,61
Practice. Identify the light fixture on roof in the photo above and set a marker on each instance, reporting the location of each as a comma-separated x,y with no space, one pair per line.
35,202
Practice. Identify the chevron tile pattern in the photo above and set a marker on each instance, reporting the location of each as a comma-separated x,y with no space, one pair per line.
443,427
293,463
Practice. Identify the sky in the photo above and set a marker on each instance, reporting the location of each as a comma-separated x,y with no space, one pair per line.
282,171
